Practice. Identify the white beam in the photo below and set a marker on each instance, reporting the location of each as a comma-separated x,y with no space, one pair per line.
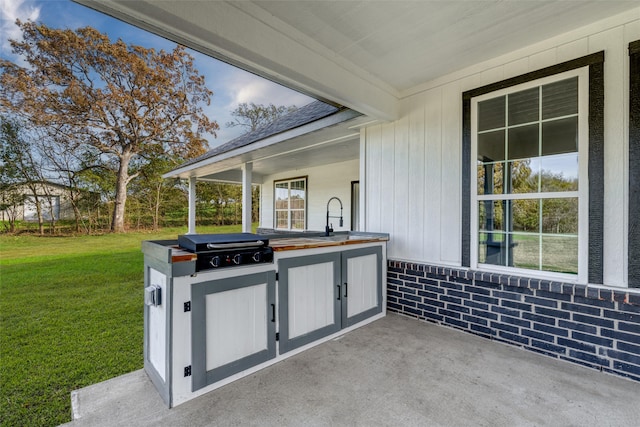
247,170
244,35
192,205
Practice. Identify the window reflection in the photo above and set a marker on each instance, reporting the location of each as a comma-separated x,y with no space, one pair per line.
524,176
560,216
523,142
559,173
560,136
490,170
560,254
526,251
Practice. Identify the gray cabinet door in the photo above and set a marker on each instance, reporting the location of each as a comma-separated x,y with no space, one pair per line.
232,326
361,284
321,294
309,296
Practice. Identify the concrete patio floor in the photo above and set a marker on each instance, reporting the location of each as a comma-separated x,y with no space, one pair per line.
396,371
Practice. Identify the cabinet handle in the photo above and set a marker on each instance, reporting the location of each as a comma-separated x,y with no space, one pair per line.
345,289
339,292
273,313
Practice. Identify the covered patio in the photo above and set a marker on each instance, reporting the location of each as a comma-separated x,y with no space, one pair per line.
413,74
394,371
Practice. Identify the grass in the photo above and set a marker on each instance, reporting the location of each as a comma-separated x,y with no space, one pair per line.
71,315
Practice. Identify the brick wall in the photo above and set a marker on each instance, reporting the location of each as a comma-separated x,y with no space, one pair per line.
595,327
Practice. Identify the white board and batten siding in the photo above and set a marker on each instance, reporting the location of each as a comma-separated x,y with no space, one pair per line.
323,182
412,176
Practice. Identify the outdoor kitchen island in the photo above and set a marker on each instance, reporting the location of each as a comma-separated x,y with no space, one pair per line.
208,325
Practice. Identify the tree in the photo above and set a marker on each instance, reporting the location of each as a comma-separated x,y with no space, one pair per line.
20,169
251,116
126,102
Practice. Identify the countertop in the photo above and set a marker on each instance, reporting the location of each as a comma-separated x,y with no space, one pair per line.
169,249
308,242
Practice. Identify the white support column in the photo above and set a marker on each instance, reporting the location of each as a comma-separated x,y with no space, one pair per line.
192,205
247,172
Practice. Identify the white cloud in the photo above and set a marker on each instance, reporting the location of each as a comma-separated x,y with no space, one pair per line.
246,87
233,86
10,10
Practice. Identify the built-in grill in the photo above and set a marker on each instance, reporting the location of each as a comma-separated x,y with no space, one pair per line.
226,250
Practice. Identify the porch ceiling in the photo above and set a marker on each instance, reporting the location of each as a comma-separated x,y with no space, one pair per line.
361,54
319,143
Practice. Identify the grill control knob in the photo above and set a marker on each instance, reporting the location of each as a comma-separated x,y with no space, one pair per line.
257,257
215,261
237,258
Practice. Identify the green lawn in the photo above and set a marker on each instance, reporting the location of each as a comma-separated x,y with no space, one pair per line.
71,315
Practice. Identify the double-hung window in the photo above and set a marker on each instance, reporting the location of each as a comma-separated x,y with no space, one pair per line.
291,204
529,179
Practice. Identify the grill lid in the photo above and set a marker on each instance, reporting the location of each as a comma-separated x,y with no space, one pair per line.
211,242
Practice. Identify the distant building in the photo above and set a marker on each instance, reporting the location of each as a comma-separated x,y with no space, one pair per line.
21,205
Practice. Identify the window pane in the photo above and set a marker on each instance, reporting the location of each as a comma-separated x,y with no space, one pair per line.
559,173
523,142
526,215
524,176
282,195
491,214
524,107
560,254
297,220
491,146
491,114
560,216
290,202
560,136
526,251
297,185
491,249
494,186
297,203
560,98
282,219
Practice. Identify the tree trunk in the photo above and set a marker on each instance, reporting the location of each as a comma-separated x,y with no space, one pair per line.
156,214
117,224
39,212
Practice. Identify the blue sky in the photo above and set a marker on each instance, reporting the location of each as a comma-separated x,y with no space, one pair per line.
229,84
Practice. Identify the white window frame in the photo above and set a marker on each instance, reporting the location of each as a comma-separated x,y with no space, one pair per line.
289,210
583,181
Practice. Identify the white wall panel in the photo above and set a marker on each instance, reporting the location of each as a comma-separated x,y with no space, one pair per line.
417,182
373,182
402,189
433,176
543,59
450,207
614,149
572,50
515,68
387,185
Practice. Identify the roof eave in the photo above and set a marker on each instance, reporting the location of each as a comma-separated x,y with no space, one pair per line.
334,119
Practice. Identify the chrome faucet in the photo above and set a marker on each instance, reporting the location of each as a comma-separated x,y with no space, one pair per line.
327,229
